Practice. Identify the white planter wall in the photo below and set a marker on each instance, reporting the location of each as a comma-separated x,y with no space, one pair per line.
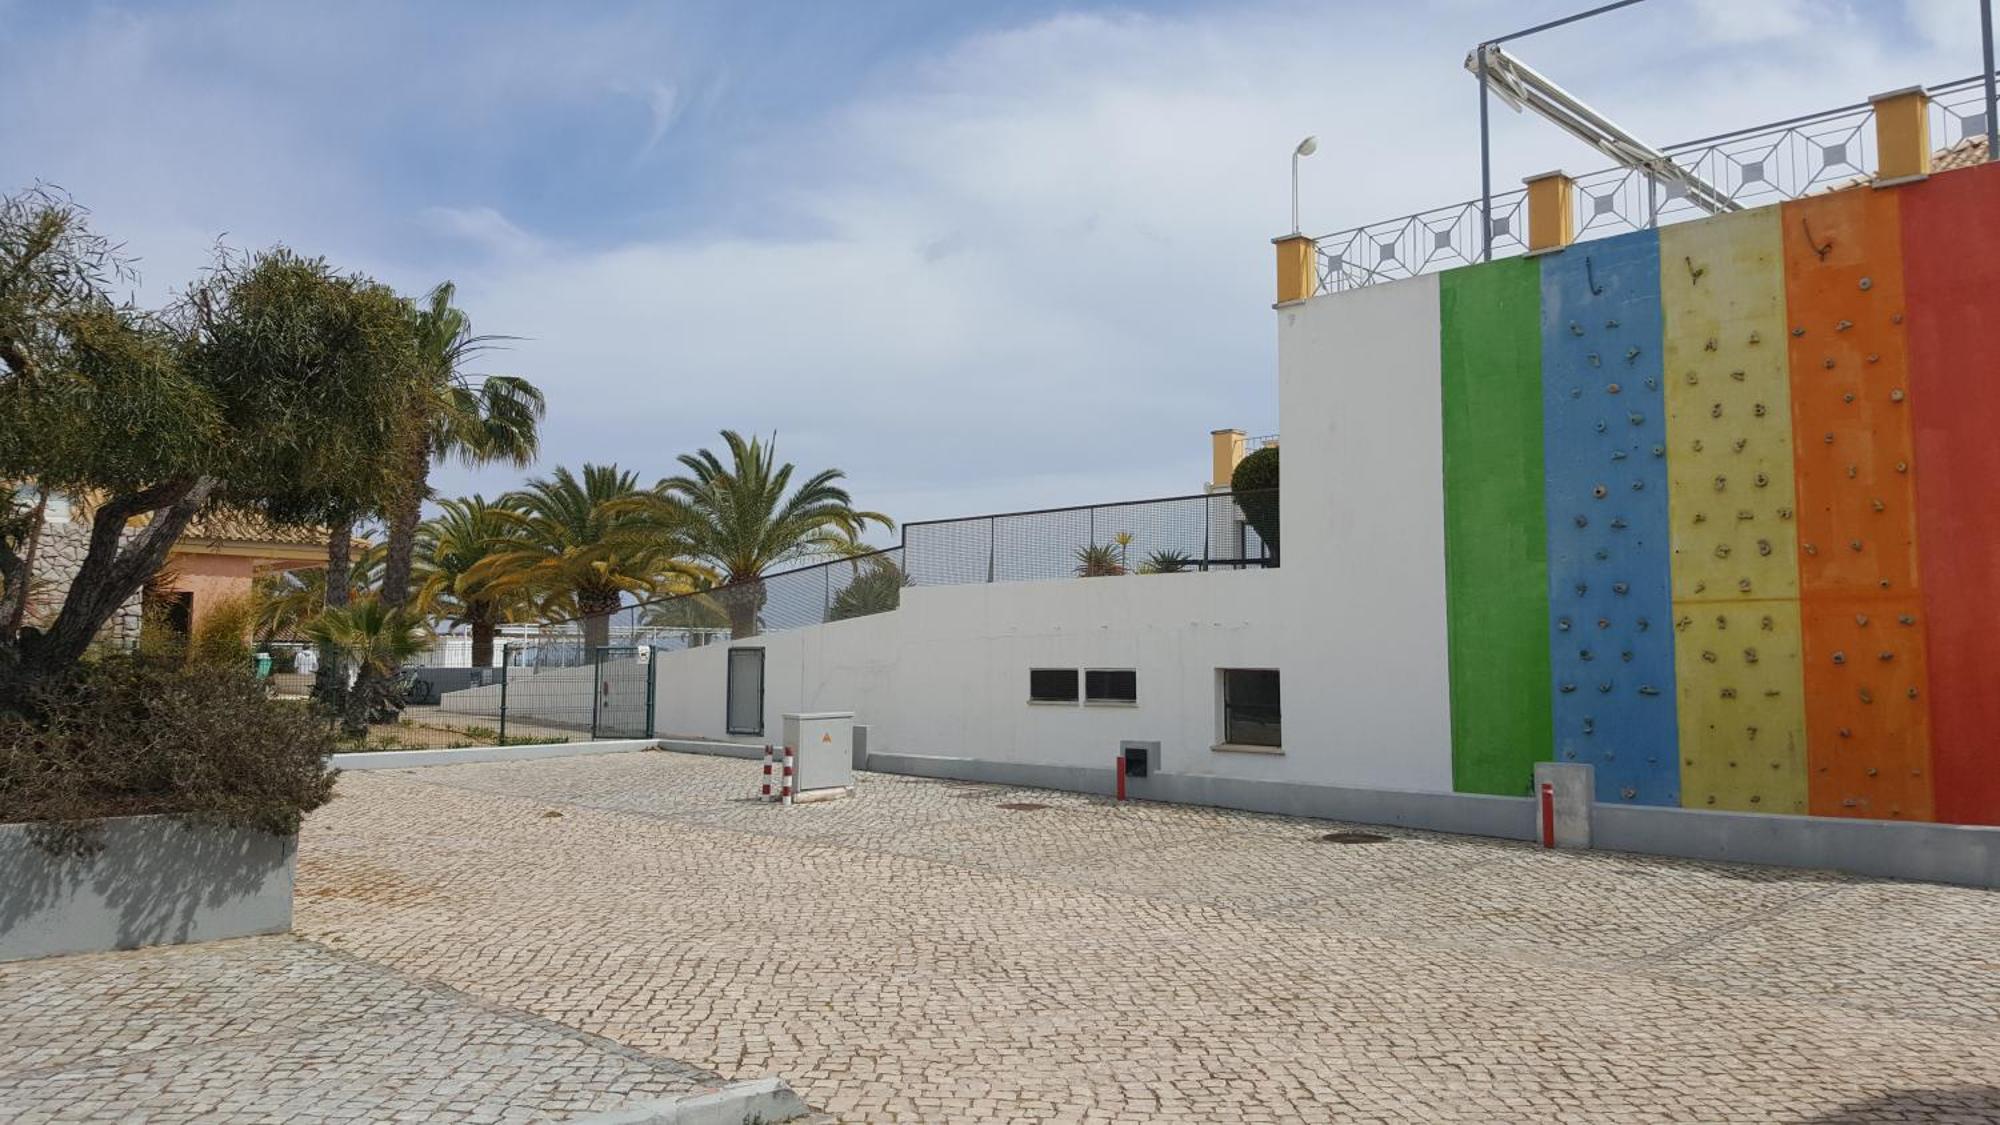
155,882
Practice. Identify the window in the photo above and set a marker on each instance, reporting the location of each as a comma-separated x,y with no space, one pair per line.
1052,685
1110,685
1250,712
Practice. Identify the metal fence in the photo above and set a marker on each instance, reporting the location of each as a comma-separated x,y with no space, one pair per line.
1201,532
1750,167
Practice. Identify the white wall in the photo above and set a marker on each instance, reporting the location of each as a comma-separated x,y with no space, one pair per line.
1362,510
1354,619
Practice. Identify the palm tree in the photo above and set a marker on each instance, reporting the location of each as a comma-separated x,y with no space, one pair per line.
877,587
739,520
287,599
578,546
449,546
480,419
375,639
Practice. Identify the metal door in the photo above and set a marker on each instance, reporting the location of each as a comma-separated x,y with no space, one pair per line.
745,705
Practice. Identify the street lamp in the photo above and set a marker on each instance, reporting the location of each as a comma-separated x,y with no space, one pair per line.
1306,148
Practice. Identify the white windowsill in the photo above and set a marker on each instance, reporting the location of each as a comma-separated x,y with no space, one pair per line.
1110,703
1052,703
1245,748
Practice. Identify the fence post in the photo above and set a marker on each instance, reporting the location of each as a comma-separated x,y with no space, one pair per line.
652,684
596,686
1207,526
826,584
992,541
505,664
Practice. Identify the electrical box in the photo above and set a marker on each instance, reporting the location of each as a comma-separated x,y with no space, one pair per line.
1139,757
822,744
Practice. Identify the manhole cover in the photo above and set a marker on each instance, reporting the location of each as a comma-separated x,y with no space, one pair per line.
1353,838
1021,806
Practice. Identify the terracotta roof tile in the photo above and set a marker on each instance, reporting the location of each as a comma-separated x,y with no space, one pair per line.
244,527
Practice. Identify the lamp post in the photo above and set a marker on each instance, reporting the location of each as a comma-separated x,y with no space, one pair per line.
1305,148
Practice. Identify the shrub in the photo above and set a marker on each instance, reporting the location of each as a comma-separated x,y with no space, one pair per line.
1167,561
222,636
1099,560
876,589
128,735
1255,483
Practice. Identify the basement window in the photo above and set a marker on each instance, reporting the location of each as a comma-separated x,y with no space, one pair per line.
1052,685
1251,716
1110,685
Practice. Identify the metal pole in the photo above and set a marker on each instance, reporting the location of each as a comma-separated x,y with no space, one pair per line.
992,534
1485,167
1992,101
596,686
504,664
652,684
1207,529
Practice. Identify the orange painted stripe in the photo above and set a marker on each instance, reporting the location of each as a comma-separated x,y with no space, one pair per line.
1867,717
1951,232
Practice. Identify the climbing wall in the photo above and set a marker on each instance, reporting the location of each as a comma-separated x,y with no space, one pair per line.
1951,229
1867,718
1496,565
1604,448
1731,505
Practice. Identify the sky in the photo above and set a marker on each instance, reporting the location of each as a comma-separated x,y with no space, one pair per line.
982,256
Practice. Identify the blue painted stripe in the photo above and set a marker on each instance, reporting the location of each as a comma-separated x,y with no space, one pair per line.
1611,637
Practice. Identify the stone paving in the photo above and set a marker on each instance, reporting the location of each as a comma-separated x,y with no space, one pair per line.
279,1029
924,954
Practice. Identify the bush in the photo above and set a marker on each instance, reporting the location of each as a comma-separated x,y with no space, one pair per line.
1257,475
222,636
128,735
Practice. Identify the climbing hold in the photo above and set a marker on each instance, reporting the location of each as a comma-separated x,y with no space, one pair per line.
1715,411
1707,657
1758,410
1784,513
1599,427
1828,363
1652,383
1912,693
1906,619
1737,375
1565,688
1594,360
1760,480
1722,621
1878,505
1763,546
1874,358
1641,624
1743,514
1755,338
1626,656
1750,657
1867,696
1809,548
1710,346
1620,588
1846,733
1618,523
1562,624
1871,771
1843,326
1697,445
1604,688
1867,283
1722,550
1896,318
1728,693
1659,451
1902,466
1601,554
1648,689
1743,585
1854,544
1769,623
1683,622
1861,619
1638,486
1693,379
1798,331
1739,443
1828,439
1721,482
1583,521
1628,792
1589,725
1839,657
1576,392
1575,329
1896,395
1585,655
1582,588
1632,353
1599,491
1612,388
1885,656
1604,623
1848,397
1851,471
1636,419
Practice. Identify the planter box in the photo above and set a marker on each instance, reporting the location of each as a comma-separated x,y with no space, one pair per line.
156,881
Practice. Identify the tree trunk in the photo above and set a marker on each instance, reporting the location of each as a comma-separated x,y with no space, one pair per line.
112,570
596,634
403,521
330,682
745,603
19,576
482,641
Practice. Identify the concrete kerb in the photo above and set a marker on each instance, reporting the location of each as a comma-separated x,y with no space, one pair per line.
467,755
754,1102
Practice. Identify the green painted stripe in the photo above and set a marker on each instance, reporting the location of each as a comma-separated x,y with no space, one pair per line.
1496,552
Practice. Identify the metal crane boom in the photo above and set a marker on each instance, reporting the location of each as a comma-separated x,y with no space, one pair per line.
1523,87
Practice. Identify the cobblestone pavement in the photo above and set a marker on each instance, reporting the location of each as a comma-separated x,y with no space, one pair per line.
925,954
279,1029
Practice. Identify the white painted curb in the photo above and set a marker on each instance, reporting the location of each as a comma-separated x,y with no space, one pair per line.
467,755
756,1102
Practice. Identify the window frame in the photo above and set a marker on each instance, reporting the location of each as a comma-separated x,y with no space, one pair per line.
1074,697
1090,700
1226,731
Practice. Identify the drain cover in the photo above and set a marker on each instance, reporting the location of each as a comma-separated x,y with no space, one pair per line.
1353,838
1021,806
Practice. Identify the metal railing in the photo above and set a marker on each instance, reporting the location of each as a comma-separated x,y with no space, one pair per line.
1213,531
1767,163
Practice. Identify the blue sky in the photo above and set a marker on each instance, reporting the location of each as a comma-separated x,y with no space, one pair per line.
981,255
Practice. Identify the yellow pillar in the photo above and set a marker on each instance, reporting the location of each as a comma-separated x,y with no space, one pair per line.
1225,450
1551,211
1296,276
1902,135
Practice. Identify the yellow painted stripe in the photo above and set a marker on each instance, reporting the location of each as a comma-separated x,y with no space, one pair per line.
1731,499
